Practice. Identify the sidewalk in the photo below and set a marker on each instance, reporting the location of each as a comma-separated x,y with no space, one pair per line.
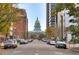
75,47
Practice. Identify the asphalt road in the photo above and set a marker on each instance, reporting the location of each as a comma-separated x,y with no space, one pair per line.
37,48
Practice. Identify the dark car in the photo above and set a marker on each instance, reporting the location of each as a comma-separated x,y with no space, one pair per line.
22,41
18,41
61,44
8,44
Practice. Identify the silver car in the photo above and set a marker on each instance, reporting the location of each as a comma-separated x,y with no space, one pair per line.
8,44
61,44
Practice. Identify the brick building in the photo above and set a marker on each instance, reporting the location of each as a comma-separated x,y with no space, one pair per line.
20,27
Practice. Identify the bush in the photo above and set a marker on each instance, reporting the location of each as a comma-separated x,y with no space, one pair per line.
75,40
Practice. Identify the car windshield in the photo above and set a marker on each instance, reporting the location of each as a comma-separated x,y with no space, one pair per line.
8,41
52,41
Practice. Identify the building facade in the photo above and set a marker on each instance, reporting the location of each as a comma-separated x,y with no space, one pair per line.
19,28
50,20
57,21
37,26
61,25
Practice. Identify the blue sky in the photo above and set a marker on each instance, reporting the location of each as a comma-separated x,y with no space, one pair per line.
35,10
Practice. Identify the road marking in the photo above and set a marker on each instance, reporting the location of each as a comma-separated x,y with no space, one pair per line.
37,52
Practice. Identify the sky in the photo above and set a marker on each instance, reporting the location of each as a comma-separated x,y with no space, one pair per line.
33,11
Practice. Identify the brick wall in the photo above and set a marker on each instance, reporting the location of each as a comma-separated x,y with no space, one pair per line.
21,26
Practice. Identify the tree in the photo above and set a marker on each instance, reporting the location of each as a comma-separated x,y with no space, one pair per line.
33,36
7,15
41,35
75,33
51,32
68,6
73,11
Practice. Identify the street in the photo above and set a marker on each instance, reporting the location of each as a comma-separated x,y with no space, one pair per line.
37,48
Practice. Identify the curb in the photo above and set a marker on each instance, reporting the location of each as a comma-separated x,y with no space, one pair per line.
75,50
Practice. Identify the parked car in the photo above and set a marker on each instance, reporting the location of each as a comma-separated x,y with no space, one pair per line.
51,42
61,44
30,40
23,41
15,43
45,40
18,41
8,44
26,41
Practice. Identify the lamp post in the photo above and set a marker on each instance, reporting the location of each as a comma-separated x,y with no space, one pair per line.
14,30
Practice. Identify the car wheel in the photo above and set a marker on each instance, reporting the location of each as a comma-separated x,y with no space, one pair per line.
47,42
5,47
65,48
15,46
56,46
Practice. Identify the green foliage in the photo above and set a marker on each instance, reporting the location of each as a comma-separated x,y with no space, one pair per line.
33,36
75,40
68,6
7,15
73,11
75,33
73,28
41,35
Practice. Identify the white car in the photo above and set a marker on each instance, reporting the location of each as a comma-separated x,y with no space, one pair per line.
22,41
51,42
45,40
30,40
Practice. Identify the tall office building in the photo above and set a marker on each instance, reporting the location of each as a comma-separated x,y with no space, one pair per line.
55,21
50,20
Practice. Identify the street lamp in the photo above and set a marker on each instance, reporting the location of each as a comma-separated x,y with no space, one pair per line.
14,30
